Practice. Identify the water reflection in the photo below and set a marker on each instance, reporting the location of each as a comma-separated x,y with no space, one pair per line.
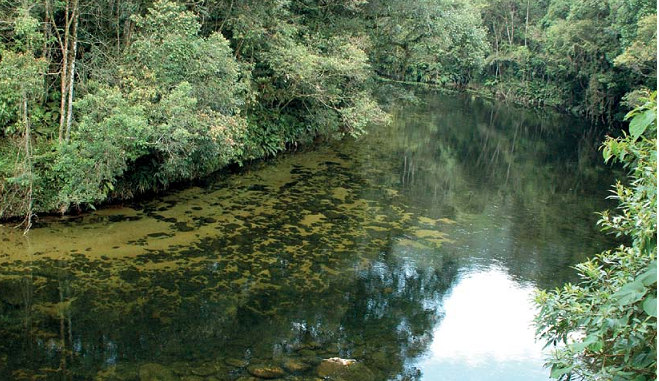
413,251
486,332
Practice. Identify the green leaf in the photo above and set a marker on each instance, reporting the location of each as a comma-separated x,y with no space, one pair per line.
557,372
596,346
649,277
650,306
606,152
589,341
640,123
578,347
630,293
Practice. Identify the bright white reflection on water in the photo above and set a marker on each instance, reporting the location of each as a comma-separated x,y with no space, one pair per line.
486,333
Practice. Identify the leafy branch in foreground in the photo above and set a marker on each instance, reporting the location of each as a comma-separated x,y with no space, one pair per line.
605,328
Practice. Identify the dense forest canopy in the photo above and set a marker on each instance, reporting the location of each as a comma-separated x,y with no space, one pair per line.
107,99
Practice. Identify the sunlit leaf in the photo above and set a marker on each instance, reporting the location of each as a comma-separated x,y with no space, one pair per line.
649,277
650,306
640,123
630,293
557,372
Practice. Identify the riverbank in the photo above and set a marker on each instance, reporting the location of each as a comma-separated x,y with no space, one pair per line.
495,92
398,91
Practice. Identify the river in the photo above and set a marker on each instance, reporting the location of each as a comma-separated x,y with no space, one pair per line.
414,250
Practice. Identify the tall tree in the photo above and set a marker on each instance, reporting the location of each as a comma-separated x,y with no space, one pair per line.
21,84
67,38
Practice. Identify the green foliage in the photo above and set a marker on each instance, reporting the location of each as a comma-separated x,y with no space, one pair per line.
167,91
589,53
169,50
606,326
26,31
428,40
161,97
110,134
21,83
21,76
19,73
324,79
310,79
640,56
175,114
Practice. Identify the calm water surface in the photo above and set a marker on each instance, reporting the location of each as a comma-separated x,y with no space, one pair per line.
414,250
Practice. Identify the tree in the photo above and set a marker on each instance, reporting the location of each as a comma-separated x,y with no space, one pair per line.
68,44
21,83
173,114
562,53
427,40
640,56
309,79
256,77
606,326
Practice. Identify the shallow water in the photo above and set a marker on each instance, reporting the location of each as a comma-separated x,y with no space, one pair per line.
415,250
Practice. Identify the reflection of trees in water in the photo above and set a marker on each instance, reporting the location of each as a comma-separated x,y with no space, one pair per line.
536,176
394,310
463,143
59,323
383,315
37,324
85,314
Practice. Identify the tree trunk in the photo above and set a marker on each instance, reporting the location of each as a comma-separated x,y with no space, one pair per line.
68,47
496,49
64,46
227,17
28,165
526,25
46,30
72,68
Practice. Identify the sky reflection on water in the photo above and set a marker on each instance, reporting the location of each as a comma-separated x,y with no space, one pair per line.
486,332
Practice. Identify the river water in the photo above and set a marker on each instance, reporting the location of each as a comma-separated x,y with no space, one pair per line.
414,250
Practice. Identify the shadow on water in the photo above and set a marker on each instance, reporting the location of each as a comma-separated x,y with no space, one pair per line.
385,250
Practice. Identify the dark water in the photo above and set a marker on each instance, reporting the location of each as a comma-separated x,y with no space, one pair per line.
414,250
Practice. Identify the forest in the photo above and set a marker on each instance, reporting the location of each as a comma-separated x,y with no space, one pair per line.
105,100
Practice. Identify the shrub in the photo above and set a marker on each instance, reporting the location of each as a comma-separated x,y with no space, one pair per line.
606,326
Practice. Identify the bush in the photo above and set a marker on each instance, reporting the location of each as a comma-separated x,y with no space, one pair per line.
606,326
